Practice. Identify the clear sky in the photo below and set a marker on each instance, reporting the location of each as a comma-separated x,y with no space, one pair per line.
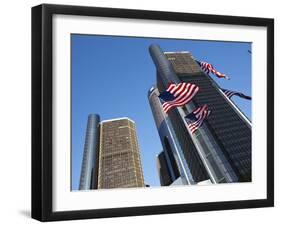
112,75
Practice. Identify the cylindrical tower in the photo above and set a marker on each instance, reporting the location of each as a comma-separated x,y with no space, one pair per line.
164,67
88,178
203,151
171,148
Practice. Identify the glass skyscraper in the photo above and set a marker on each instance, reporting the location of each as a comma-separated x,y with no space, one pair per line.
172,155
88,177
220,150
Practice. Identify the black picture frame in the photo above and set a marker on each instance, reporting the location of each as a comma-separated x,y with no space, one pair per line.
42,111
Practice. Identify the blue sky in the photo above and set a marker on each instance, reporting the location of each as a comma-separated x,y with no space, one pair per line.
112,75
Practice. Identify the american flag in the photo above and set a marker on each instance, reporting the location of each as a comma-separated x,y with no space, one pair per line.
230,93
196,118
177,95
207,68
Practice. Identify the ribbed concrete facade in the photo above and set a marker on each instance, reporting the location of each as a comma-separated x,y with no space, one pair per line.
119,155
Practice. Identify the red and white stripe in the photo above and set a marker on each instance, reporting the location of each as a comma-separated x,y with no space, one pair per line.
184,92
201,114
209,68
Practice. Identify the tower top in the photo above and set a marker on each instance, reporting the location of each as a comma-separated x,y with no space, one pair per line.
176,52
117,119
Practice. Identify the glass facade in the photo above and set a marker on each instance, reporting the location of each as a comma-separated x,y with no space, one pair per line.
231,132
163,170
88,177
220,151
171,146
190,152
191,156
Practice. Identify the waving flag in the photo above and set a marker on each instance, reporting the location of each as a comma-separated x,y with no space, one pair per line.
177,95
196,118
230,93
207,68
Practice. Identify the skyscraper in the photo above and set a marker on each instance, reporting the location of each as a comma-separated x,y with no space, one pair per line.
163,169
220,150
172,150
119,157
88,177
111,157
